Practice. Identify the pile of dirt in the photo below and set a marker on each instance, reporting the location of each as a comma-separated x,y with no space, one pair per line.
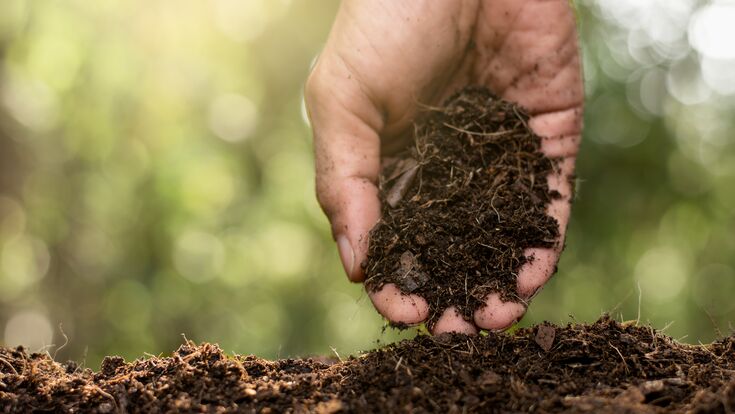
603,367
460,207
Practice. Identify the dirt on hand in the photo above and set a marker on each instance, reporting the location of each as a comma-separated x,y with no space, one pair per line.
460,207
606,367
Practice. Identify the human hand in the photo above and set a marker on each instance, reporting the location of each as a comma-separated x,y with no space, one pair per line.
382,59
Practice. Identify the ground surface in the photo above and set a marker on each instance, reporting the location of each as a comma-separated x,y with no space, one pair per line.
603,367
470,194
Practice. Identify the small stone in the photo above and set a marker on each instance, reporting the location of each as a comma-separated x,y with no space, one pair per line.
413,280
409,277
545,337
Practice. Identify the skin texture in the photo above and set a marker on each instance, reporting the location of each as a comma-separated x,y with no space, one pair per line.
383,59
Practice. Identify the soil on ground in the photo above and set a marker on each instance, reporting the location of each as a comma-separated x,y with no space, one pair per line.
460,207
606,367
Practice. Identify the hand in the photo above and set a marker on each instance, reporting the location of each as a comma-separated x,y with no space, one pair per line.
382,59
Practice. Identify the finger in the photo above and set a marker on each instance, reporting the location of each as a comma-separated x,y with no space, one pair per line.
560,140
559,132
498,315
398,307
352,206
346,127
542,261
452,321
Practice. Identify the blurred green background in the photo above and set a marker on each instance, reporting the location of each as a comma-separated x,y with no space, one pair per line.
156,178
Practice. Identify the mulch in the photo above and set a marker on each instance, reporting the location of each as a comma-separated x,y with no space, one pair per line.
605,367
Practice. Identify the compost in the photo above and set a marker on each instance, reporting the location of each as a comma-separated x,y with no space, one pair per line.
462,204
605,367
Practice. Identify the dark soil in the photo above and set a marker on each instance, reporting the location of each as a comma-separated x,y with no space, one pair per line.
604,367
462,205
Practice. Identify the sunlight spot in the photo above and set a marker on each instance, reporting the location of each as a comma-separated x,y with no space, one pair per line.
661,272
31,329
30,102
653,91
24,261
684,82
719,74
232,117
712,30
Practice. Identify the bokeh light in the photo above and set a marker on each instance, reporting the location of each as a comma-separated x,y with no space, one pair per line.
31,329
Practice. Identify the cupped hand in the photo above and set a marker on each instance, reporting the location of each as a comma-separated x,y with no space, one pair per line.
383,60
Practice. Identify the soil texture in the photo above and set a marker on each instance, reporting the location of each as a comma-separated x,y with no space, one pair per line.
605,367
460,207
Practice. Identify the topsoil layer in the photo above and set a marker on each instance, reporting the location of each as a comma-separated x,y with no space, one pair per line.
604,367
460,207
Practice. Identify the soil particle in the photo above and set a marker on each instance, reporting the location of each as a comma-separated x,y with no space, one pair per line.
593,368
545,337
462,205
409,276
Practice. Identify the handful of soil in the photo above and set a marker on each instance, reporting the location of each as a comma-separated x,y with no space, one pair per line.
461,206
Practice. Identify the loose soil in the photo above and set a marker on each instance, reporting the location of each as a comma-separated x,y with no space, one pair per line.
606,367
460,207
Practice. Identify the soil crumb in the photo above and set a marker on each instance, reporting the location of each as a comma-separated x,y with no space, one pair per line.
460,207
605,367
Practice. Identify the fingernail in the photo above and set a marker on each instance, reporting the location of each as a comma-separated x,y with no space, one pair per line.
346,254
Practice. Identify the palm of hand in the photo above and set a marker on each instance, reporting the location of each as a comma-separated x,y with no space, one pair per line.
383,59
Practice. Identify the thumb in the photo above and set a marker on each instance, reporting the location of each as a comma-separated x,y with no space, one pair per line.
346,127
